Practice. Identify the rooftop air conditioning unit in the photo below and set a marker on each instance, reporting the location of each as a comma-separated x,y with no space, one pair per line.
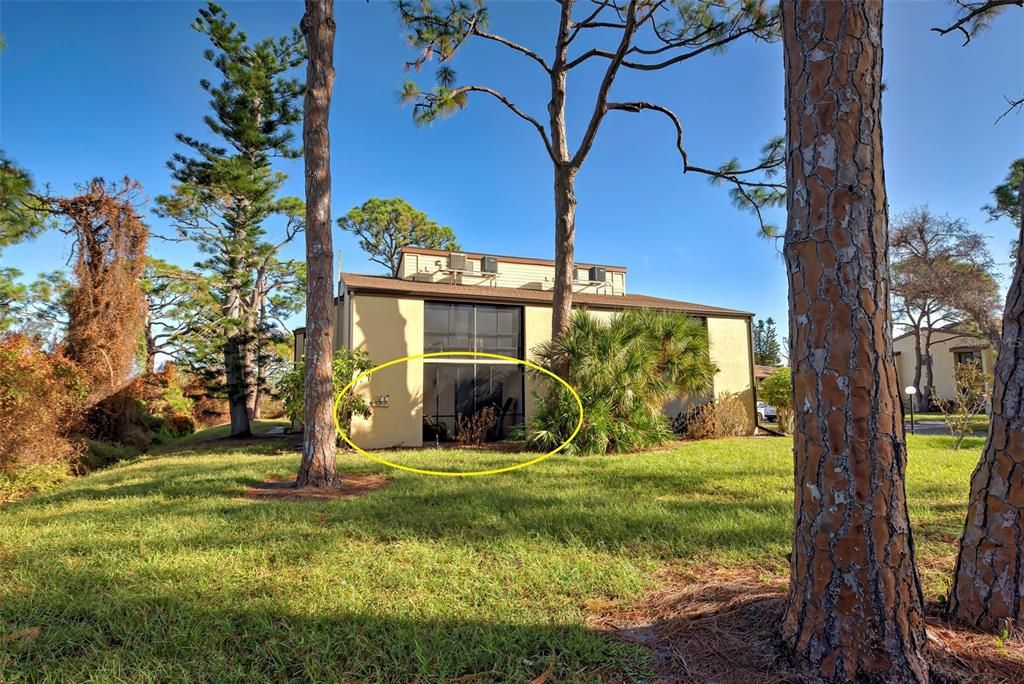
597,274
489,264
457,261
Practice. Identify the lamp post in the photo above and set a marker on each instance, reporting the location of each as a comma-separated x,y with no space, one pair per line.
911,391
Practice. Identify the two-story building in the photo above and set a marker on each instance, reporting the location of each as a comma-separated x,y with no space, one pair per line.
448,301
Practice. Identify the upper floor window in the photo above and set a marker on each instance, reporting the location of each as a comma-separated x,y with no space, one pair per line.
473,327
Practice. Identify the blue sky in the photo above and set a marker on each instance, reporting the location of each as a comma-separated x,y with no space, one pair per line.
99,89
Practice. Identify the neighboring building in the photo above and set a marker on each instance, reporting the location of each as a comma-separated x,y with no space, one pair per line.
448,301
950,346
763,372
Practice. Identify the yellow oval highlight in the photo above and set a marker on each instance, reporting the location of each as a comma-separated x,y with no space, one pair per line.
448,473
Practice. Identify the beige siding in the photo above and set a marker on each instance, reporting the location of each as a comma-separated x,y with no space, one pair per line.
430,268
536,331
943,360
390,328
730,352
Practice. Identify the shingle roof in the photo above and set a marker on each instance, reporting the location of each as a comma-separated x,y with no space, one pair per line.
367,283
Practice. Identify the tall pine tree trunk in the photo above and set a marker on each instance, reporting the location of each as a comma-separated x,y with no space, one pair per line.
855,609
565,237
234,371
924,392
564,185
317,468
235,351
918,366
988,583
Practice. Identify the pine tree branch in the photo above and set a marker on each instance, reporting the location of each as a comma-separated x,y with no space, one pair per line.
514,109
974,11
600,106
637,107
1017,104
476,31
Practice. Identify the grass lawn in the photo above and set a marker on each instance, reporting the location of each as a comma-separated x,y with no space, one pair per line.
163,570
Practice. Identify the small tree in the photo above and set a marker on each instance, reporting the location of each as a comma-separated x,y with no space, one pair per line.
346,365
970,397
385,226
18,221
766,343
777,390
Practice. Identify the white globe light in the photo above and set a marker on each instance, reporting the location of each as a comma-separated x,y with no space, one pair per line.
911,390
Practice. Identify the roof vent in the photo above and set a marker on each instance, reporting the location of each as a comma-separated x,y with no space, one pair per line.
489,264
456,261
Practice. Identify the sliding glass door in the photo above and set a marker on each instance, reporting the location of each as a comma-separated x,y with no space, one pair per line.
454,387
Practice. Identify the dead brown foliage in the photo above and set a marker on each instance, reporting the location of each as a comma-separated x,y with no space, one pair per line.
107,309
41,399
720,625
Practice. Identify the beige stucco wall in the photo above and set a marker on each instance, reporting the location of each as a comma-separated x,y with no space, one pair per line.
943,360
536,331
390,328
729,340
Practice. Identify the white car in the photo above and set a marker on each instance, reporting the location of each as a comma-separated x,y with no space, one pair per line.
766,413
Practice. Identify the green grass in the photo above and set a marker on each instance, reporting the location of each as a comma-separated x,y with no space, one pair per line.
161,570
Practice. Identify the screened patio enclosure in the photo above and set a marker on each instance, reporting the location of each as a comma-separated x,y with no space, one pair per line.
455,387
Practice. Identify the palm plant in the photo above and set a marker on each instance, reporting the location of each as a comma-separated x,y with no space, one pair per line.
625,371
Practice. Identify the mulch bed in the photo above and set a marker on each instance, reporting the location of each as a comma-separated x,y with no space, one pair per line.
720,626
285,490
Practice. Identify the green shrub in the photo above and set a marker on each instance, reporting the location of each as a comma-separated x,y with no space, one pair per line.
102,454
625,371
347,364
777,390
15,484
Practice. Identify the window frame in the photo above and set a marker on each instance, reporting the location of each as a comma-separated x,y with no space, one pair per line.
435,341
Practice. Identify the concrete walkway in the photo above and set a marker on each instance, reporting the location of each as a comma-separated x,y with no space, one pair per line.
932,427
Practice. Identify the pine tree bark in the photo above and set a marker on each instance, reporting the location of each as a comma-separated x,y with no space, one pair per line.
988,582
564,185
234,371
565,237
855,609
318,448
924,392
918,366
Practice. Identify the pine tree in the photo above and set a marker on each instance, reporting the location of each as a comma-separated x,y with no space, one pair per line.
317,468
620,37
767,351
224,194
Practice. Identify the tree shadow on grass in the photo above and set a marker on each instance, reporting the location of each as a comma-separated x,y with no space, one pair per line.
665,515
178,634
